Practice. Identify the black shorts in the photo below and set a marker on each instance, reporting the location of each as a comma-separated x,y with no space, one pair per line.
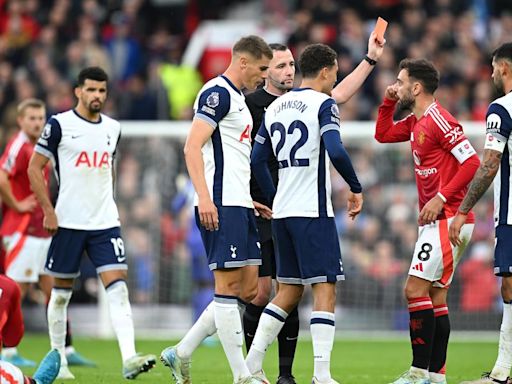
268,258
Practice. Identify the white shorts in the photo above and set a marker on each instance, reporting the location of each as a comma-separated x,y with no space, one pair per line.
435,258
10,374
25,257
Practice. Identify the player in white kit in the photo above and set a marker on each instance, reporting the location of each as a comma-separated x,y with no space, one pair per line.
496,166
217,153
82,143
300,128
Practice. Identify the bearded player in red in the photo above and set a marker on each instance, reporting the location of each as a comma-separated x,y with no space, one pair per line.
444,164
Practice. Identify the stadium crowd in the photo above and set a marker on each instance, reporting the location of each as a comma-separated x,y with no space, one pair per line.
43,45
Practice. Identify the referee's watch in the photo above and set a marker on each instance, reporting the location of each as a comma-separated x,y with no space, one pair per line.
370,61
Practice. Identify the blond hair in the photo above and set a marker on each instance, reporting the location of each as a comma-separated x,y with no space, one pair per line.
29,103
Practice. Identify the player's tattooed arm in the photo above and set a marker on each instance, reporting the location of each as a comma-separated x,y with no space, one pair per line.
482,180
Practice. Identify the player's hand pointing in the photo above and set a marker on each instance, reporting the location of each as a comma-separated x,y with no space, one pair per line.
354,204
208,214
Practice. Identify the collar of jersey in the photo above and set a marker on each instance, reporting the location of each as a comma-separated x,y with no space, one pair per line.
231,84
300,89
84,119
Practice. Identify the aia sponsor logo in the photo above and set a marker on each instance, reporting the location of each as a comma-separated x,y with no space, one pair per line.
93,160
246,134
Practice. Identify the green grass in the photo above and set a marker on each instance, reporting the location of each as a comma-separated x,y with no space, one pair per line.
352,361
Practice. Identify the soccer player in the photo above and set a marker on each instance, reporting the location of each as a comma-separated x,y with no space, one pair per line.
217,153
82,143
444,163
280,79
298,128
11,332
496,166
24,237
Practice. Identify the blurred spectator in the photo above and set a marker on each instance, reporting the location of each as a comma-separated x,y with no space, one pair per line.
137,102
125,52
181,82
479,285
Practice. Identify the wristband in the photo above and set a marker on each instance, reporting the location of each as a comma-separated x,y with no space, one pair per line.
441,197
370,61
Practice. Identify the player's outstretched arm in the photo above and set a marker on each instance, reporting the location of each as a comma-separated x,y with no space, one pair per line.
353,81
199,134
483,178
37,183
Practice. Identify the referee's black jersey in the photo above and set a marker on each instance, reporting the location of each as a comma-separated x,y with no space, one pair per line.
258,101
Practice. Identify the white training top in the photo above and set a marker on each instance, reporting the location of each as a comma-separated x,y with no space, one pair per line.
295,123
227,153
82,152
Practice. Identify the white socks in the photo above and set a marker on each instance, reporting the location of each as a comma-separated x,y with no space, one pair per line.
271,322
230,332
322,334
121,317
202,328
57,318
503,364
9,352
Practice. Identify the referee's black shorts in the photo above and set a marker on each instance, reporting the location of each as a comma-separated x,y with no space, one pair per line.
268,257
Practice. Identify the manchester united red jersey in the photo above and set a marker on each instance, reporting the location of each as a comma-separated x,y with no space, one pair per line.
11,319
438,146
15,161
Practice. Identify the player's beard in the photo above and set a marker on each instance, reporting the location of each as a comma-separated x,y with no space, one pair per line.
498,83
406,103
95,106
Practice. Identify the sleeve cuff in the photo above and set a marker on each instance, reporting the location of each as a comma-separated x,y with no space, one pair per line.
389,102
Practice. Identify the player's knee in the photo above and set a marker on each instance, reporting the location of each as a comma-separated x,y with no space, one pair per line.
412,292
262,298
248,294
230,288
264,290
506,288
60,297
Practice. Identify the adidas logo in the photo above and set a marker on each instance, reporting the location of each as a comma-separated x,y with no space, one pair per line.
418,267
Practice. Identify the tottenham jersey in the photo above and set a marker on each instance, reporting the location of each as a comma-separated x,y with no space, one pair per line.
295,123
227,152
499,127
82,152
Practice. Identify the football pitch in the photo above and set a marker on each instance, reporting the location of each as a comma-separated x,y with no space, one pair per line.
352,361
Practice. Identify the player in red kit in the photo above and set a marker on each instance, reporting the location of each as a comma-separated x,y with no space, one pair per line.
11,332
25,241
444,164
